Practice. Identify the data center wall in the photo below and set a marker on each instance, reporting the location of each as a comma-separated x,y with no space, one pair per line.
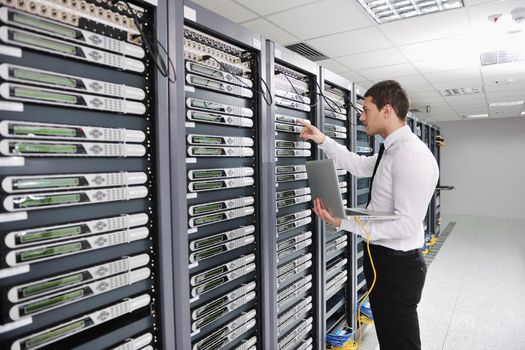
82,228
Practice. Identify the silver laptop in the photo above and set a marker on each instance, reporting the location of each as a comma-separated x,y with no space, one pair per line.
324,184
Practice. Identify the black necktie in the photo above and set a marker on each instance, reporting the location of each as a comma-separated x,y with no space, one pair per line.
381,150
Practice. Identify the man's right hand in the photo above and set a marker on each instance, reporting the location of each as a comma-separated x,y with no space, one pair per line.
310,132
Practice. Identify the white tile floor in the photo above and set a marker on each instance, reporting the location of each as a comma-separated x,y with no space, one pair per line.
474,296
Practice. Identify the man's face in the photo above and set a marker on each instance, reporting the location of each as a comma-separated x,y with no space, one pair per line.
371,117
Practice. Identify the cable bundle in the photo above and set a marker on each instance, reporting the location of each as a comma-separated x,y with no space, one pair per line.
340,339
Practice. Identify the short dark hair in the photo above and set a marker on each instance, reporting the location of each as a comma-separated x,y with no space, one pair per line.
390,92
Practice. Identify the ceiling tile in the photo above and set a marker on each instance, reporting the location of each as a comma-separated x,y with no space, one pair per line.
228,9
505,95
451,84
266,7
362,86
270,31
422,88
506,69
373,59
322,18
429,27
411,80
353,76
453,75
356,41
333,66
389,72
461,48
439,65
426,94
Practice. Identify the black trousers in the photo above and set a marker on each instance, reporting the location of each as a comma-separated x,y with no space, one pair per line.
394,299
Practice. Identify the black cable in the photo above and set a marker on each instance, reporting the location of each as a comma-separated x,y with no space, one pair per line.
152,48
264,84
256,69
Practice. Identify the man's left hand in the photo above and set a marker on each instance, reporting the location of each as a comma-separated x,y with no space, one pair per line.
324,214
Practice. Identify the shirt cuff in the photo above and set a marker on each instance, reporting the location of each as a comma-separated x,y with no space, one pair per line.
327,144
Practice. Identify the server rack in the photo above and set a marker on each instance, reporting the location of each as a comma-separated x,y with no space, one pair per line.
428,218
298,255
336,123
84,225
363,145
411,122
435,206
225,105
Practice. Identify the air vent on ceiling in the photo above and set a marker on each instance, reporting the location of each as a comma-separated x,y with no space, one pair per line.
501,56
307,51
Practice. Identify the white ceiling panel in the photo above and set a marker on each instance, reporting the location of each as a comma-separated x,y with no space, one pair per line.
452,84
411,80
425,94
428,27
228,9
322,18
348,43
373,59
439,65
353,76
422,88
333,66
454,75
467,100
364,85
506,69
266,7
505,95
270,31
389,72
447,50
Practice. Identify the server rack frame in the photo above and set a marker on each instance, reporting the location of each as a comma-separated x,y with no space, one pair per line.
208,21
162,248
333,79
305,66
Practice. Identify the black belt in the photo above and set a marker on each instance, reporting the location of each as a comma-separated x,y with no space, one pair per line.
387,251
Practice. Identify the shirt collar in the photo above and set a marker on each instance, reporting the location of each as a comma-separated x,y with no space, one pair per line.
396,135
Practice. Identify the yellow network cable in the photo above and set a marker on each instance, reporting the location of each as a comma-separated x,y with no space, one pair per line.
352,344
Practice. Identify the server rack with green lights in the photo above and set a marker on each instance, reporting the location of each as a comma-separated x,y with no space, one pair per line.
363,145
435,205
225,104
83,225
339,296
297,251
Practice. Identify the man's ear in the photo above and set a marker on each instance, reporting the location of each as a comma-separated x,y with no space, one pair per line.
387,111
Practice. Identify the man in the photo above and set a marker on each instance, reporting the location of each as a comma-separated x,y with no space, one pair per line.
404,176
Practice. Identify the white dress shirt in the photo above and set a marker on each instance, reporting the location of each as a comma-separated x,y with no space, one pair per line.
403,184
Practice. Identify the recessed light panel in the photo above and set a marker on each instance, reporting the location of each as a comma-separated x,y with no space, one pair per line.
474,116
461,91
391,10
506,103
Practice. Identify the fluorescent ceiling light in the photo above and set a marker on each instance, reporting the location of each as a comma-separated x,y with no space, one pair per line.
477,116
461,91
523,113
506,103
390,10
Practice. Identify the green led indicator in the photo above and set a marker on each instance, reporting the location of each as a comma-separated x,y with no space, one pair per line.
207,117
54,301
206,82
208,253
281,178
43,43
285,169
203,151
208,185
44,25
208,219
43,131
54,334
29,75
50,251
45,183
45,95
28,202
207,208
206,242
282,127
51,234
207,140
39,288
198,174
44,148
